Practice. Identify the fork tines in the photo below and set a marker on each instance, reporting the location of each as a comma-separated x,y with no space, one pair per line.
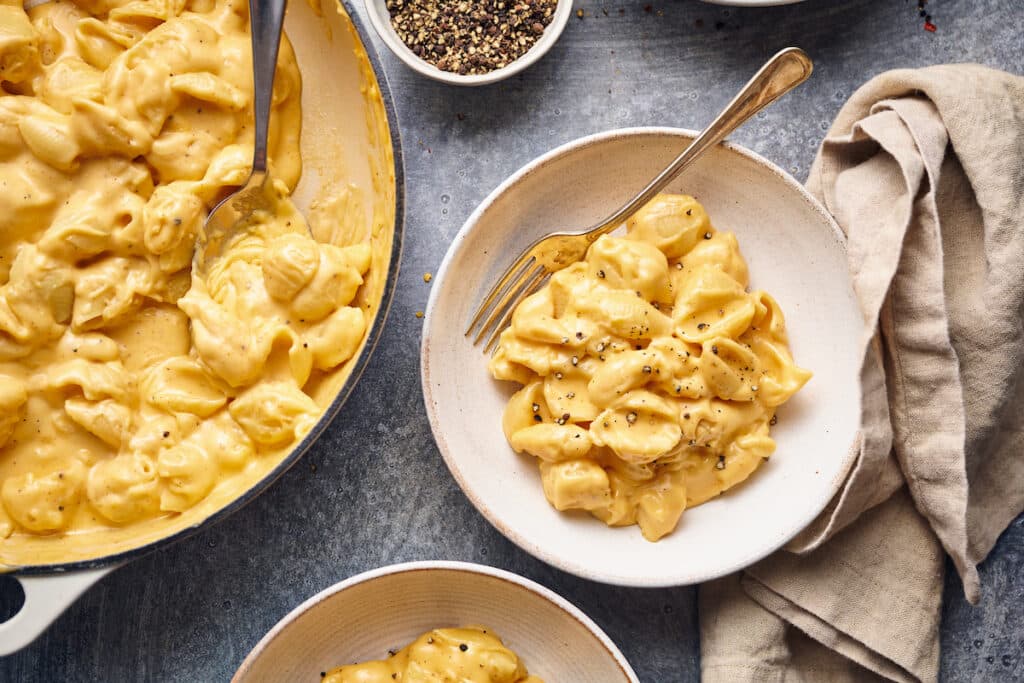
520,280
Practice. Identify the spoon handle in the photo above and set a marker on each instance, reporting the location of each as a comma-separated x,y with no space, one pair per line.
783,72
265,20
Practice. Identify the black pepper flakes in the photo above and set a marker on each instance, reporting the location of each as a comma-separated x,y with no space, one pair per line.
714,350
631,418
600,274
647,369
463,647
774,420
536,407
720,465
707,235
470,37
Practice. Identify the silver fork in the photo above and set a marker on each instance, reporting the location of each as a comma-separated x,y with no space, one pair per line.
780,74
266,18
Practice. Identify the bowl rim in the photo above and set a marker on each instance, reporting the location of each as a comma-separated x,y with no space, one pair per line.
359,363
437,565
381,22
560,562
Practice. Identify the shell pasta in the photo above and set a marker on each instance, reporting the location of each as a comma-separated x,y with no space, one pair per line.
129,389
650,374
468,655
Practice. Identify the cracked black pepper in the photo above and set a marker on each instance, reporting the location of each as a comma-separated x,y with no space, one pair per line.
470,37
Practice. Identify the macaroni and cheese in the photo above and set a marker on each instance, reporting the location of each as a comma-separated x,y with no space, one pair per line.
129,389
651,376
467,655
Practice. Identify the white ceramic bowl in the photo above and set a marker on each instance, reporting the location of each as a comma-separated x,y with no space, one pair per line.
361,618
377,10
795,251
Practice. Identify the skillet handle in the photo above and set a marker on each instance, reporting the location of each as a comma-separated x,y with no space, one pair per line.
46,598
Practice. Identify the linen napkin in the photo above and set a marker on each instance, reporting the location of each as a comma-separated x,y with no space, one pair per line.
924,172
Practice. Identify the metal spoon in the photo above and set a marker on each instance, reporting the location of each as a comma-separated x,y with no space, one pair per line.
257,194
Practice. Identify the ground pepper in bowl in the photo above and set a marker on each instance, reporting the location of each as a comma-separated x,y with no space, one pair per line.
470,37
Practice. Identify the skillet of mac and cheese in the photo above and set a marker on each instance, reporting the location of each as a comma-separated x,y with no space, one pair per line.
651,375
130,390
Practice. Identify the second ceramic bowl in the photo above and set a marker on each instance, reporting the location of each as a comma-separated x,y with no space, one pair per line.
363,617
794,250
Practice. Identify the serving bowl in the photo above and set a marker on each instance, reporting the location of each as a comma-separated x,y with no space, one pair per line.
380,17
363,617
349,144
794,250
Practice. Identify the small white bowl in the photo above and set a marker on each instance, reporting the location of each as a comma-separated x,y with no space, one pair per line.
794,250
362,617
381,20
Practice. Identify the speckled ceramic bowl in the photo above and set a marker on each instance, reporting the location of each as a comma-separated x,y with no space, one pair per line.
794,250
361,618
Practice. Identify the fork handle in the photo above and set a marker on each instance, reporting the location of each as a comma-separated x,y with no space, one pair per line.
266,17
783,72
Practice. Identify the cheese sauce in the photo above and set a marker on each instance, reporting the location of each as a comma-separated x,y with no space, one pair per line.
136,399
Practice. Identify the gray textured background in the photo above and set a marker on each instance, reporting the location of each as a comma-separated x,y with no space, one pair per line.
375,491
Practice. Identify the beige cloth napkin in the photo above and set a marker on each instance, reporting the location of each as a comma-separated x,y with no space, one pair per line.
924,171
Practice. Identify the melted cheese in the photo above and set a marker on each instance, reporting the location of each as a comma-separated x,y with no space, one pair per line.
651,375
444,655
135,398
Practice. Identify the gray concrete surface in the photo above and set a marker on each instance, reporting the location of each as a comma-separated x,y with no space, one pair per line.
374,490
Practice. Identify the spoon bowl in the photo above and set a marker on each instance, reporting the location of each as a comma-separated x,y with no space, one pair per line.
234,212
